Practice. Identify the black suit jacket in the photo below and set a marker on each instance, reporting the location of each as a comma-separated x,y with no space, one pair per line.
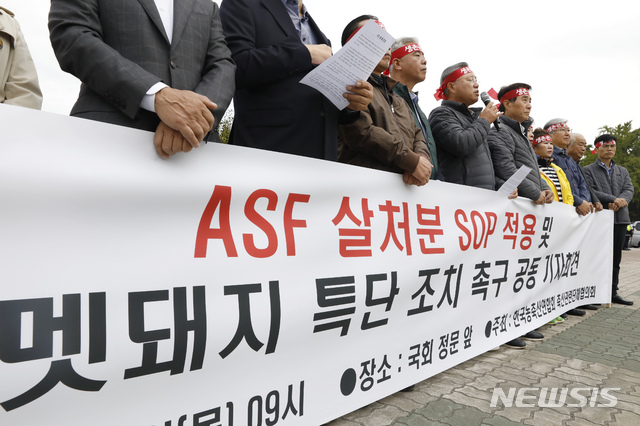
272,109
119,49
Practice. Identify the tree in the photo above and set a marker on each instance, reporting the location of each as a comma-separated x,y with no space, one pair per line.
224,129
627,155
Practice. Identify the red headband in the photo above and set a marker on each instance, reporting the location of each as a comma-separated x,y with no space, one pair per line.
556,126
405,50
439,95
599,144
402,52
521,91
540,139
358,29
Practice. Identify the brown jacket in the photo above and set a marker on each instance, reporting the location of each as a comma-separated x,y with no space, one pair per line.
385,136
18,78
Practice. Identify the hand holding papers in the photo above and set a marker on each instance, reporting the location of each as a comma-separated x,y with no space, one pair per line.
354,62
516,179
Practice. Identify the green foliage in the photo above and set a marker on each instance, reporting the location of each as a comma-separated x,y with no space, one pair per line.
224,129
627,156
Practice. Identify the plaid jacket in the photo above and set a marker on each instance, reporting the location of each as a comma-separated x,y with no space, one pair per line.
119,49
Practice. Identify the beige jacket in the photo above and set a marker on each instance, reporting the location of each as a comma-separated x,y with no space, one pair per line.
18,77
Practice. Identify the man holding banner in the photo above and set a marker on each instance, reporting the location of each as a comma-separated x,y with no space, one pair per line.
612,184
385,136
151,65
510,147
561,135
577,148
408,66
275,43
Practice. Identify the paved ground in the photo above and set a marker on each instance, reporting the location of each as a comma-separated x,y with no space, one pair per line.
600,350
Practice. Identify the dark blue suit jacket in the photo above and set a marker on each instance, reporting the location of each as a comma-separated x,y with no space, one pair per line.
272,109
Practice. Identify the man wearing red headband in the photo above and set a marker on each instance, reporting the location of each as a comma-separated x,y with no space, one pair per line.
274,44
385,136
561,136
510,147
408,66
612,184
461,132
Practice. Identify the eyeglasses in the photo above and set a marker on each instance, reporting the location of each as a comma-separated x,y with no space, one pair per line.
564,129
472,79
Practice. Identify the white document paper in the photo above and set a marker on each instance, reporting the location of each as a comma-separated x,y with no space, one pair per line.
516,179
354,62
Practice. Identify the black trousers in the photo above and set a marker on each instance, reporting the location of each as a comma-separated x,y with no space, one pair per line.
619,231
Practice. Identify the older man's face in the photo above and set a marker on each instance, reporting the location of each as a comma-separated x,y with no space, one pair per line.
466,88
577,148
561,137
415,66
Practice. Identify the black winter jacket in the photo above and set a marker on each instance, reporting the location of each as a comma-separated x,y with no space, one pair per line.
461,141
511,149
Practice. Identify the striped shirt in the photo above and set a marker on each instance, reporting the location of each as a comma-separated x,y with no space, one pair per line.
550,172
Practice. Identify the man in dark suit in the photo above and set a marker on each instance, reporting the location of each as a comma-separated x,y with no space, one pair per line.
275,43
149,64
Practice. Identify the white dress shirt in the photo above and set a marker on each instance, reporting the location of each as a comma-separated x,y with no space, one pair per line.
165,8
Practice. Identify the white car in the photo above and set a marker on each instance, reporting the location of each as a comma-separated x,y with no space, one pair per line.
635,239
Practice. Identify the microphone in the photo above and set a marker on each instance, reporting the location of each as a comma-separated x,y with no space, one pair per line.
487,99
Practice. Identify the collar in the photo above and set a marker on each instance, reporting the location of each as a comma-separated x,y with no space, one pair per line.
558,151
515,125
458,106
291,3
544,162
384,81
403,90
600,163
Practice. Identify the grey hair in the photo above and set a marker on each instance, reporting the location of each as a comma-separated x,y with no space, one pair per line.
403,41
572,138
448,71
554,121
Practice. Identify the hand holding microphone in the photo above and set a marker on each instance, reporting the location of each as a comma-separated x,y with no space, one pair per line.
490,113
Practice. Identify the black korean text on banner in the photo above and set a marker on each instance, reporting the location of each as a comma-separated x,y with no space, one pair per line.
44,326
374,371
182,326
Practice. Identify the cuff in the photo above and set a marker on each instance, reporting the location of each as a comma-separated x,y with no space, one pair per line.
149,99
410,162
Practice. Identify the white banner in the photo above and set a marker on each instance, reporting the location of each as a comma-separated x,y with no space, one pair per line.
232,286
